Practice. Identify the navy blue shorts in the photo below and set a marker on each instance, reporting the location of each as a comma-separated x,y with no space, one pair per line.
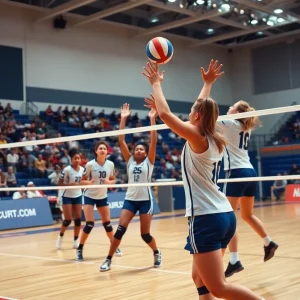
97,202
143,207
240,189
73,201
210,232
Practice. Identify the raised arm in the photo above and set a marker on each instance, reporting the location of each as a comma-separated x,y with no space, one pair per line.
209,77
125,112
153,141
183,129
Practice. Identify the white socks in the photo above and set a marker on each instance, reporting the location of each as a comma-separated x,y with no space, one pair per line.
267,241
234,257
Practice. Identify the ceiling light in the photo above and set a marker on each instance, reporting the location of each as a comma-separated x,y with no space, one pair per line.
270,23
259,33
181,5
220,10
242,11
264,19
225,7
214,5
278,11
210,30
172,1
254,22
154,19
200,2
236,9
280,20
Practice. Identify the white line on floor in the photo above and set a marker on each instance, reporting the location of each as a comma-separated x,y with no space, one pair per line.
93,263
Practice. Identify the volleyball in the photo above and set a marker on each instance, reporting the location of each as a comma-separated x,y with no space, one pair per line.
159,50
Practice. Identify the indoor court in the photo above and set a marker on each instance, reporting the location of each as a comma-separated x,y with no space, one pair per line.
32,268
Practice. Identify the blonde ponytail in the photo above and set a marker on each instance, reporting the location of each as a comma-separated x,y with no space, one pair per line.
251,122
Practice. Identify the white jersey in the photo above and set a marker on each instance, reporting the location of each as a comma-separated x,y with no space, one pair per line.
70,175
200,174
237,142
99,173
139,173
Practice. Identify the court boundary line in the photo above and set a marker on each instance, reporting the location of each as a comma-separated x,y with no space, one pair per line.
149,268
116,222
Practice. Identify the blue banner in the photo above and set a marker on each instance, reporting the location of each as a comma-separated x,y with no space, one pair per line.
115,201
25,213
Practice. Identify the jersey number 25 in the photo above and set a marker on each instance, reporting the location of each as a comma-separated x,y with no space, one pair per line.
136,173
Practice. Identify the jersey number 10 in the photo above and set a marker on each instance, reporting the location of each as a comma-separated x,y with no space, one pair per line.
244,140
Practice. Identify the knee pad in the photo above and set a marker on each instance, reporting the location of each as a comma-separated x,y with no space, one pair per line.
88,227
66,223
77,222
147,238
107,226
203,290
120,232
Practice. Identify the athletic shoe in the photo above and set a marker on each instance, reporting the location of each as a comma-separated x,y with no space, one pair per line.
157,259
105,266
79,256
270,250
75,244
118,252
59,242
233,268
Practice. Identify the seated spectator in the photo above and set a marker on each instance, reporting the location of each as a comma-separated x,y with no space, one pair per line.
54,176
11,180
27,164
66,158
74,120
279,187
3,139
41,131
34,193
20,194
13,159
49,111
40,166
8,109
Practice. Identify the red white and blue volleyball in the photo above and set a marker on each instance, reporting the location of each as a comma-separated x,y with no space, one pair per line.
159,50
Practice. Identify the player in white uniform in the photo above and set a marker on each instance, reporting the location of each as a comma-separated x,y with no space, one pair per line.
237,165
212,221
97,171
71,199
139,169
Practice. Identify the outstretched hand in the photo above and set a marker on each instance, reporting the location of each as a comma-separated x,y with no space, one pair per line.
213,72
125,110
151,104
151,71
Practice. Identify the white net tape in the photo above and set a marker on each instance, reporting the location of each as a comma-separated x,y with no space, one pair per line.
98,135
165,183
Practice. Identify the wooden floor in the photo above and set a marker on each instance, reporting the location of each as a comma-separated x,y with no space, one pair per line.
32,268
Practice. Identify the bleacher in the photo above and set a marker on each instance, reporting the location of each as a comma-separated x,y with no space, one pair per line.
67,130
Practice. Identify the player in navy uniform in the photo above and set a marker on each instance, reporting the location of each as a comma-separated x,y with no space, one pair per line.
97,171
237,165
139,169
211,218
71,199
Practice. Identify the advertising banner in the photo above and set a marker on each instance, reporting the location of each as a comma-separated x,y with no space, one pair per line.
25,213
